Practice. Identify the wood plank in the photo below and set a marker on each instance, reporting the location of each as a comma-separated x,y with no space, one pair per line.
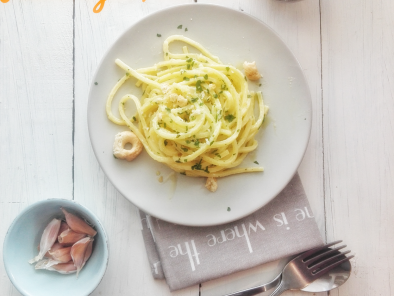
36,105
298,24
128,270
358,84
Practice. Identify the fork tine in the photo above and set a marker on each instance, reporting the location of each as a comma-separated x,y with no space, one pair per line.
313,251
327,261
329,251
326,269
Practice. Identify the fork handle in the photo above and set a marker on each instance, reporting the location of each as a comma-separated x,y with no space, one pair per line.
258,289
279,289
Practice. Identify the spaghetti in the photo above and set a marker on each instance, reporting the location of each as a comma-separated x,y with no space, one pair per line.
196,114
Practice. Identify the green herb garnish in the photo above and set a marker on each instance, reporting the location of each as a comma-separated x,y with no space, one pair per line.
198,86
229,117
158,35
179,27
256,162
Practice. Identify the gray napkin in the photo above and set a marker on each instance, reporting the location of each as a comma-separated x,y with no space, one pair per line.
186,256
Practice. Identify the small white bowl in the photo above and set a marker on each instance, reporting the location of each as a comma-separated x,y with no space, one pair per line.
20,245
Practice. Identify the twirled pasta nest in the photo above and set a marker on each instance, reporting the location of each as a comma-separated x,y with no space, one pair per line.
196,114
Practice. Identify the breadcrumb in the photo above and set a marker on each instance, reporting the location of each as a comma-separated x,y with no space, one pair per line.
251,71
211,184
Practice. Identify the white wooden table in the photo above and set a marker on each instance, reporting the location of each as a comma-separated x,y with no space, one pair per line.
49,51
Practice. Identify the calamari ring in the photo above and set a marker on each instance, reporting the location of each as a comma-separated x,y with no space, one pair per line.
121,139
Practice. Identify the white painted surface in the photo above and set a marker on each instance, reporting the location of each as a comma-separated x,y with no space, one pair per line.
347,170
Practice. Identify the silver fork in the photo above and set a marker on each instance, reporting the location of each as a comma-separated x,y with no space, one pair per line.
304,269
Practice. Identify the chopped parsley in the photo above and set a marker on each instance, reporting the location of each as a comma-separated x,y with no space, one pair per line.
184,149
135,119
198,166
166,53
114,156
227,68
194,100
215,96
186,78
178,161
229,117
178,136
168,109
186,30
188,66
197,143
256,162
165,142
183,173
206,76
95,83
260,84
198,86
179,27
228,209
245,78
189,60
158,35
187,142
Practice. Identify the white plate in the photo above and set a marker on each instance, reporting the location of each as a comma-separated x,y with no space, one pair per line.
234,37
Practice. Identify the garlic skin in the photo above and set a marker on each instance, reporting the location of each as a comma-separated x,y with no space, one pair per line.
64,268
69,237
77,224
48,238
79,252
45,264
53,265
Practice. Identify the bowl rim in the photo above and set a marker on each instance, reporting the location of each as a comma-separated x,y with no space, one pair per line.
67,201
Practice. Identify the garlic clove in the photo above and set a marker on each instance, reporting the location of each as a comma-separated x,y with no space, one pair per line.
48,238
62,255
56,246
77,224
63,227
69,237
78,252
89,249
